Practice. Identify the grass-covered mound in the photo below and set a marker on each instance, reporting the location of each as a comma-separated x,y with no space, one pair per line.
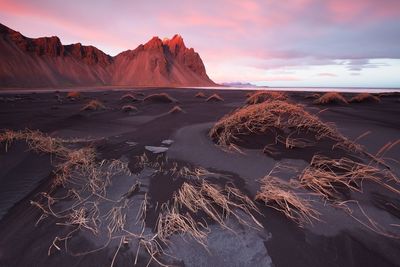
364,97
93,105
261,97
331,98
274,122
160,98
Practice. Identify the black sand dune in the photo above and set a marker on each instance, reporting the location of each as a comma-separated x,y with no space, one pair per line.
336,240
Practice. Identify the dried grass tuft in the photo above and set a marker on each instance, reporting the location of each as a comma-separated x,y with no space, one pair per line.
331,98
263,96
200,95
129,98
73,163
364,97
176,110
129,108
217,203
74,95
389,94
160,98
272,117
173,222
214,98
313,96
280,196
330,177
36,140
93,105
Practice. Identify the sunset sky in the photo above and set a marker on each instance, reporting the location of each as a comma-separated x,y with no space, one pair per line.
272,42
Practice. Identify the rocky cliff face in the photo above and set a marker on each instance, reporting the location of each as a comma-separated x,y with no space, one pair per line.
45,62
88,54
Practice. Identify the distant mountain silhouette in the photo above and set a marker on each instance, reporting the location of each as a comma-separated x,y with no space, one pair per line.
239,84
45,62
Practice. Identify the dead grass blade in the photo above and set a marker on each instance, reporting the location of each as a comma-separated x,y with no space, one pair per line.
280,196
324,176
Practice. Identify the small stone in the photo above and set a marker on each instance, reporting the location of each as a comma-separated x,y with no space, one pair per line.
167,142
131,143
156,149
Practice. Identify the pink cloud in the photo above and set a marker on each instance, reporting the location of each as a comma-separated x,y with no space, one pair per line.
74,28
327,74
364,10
282,78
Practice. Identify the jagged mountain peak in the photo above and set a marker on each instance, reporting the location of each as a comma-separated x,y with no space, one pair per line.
154,43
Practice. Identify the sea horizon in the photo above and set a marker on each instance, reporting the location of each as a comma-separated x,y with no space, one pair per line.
258,88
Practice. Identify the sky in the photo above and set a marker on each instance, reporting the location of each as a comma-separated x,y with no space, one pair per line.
329,43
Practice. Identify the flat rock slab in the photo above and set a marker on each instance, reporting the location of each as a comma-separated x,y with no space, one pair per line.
130,143
156,149
167,142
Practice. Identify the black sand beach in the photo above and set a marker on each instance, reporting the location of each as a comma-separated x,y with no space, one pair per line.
370,237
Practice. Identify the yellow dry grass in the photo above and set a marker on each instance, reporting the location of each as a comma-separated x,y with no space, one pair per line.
214,98
72,162
87,182
331,98
263,96
74,94
326,176
217,203
35,140
176,110
277,195
171,222
129,108
200,95
161,98
129,98
268,117
93,105
312,96
364,97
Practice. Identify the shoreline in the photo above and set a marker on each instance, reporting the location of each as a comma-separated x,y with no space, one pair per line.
223,88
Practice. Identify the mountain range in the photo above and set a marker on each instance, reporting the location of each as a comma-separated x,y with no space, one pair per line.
46,62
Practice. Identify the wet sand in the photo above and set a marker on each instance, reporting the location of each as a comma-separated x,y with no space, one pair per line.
337,240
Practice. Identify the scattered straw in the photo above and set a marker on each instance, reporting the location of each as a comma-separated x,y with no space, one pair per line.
215,202
280,196
327,177
172,222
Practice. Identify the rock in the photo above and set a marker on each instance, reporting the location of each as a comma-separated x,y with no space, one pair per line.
167,142
156,149
130,143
